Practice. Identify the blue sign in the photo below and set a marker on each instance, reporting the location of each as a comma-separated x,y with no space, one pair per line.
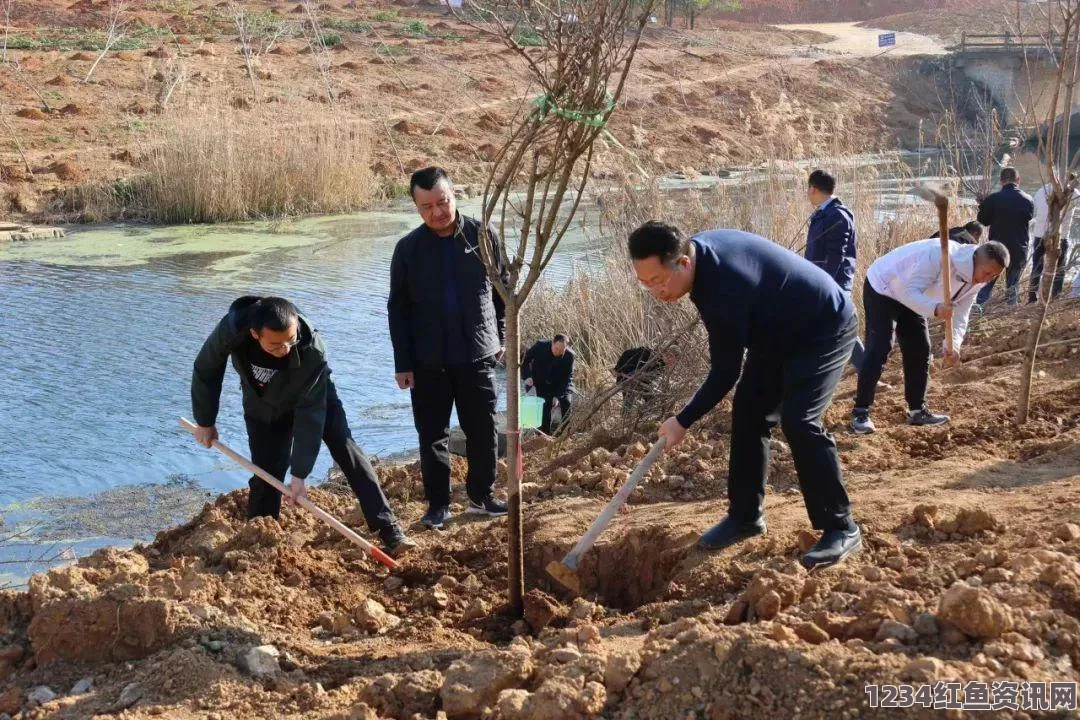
886,39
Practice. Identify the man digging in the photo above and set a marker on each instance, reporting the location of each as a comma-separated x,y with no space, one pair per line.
902,289
290,407
797,329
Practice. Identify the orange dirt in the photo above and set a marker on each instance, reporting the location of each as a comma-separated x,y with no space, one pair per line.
970,571
734,84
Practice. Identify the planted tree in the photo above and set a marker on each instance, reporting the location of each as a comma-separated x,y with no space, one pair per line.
1060,36
538,177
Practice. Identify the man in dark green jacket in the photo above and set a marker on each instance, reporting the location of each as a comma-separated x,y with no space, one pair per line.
290,408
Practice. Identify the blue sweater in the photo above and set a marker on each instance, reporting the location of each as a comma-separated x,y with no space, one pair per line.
831,242
755,295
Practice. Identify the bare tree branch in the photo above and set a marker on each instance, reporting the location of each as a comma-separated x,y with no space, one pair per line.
7,5
319,52
114,31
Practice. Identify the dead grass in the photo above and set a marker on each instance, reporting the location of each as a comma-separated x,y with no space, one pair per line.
236,166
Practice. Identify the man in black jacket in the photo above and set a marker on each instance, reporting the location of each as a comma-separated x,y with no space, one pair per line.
447,325
548,367
291,407
831,240
796,328
1008,213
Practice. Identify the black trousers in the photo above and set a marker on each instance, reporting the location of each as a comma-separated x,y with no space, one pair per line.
1037,256
1018,255
271,448
883,315
549,404
472,389
794,390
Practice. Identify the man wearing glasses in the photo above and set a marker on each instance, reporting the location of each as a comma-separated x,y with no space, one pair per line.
290,407
796,329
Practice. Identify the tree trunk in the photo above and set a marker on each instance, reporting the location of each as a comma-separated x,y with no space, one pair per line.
516,589
1052,244
1028,372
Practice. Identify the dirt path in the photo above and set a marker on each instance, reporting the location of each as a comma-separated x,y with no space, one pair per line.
850,39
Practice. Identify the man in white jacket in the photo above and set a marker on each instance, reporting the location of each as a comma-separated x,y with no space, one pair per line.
902,289
1040,231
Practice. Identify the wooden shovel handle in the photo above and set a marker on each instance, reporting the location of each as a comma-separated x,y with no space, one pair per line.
302,502
946,274
605,516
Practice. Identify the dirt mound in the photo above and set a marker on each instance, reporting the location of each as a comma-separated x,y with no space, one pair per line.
31,114
405,127
66,170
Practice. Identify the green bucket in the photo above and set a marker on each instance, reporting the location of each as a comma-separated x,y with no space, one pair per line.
532,411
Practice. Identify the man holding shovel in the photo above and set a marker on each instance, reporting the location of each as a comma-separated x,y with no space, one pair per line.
902,289
290,407
796,328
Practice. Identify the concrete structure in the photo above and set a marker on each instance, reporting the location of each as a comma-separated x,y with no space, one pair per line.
10,232
1018,73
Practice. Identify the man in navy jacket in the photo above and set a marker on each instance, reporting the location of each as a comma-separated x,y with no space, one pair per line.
1008,213
831,241
796,328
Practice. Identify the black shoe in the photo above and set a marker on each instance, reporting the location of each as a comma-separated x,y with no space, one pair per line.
488,506
922,416
395,542
436,517
834,546
728,532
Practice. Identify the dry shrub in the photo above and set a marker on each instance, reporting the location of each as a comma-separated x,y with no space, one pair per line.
240,165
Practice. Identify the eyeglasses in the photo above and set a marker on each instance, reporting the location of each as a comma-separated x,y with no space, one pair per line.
274,347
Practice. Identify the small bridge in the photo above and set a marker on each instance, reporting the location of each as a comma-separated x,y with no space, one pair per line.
1008,44
1017,71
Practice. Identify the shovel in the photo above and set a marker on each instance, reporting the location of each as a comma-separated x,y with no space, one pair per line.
302,502
934,194
565,572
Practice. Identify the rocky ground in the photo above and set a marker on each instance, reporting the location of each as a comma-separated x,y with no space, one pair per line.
426,87
971,571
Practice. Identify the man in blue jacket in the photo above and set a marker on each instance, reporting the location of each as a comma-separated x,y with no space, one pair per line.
831,241
796,328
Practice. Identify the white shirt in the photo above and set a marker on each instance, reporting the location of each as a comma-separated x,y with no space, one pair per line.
1042,212
911,275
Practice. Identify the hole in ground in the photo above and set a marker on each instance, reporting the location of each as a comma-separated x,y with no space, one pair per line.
632,563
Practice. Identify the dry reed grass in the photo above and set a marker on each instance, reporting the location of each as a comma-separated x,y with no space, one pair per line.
237,166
